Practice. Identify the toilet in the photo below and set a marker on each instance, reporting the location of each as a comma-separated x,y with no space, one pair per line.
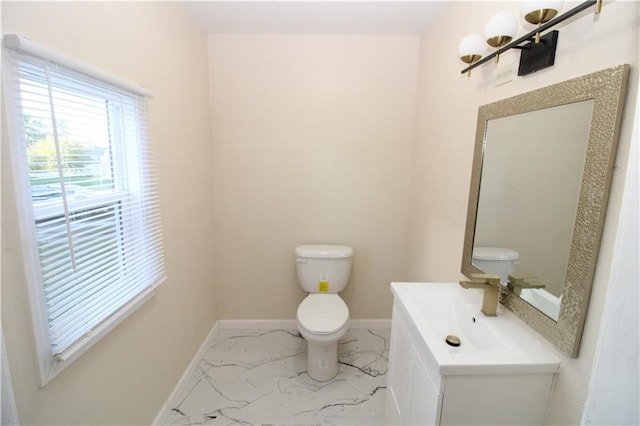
495,260
323,317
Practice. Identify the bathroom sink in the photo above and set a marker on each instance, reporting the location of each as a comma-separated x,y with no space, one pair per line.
502,344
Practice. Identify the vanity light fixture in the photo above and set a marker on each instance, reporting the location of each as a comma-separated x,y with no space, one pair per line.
500,30
537,52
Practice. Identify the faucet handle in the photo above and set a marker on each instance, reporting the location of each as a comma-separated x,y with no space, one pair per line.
479,280
519,281
488,279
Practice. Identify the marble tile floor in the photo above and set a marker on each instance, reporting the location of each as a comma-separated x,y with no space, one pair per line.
257,377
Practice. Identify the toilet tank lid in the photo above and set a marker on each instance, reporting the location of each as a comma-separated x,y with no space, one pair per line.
324,251
494,253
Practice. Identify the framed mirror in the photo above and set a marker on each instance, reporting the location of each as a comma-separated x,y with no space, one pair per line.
542,169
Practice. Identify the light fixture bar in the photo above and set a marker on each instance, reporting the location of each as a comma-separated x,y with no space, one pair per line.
515,44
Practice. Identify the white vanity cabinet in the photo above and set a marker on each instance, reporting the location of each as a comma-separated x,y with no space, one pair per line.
412,398
422,390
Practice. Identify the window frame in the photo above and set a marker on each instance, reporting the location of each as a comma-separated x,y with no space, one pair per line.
49,365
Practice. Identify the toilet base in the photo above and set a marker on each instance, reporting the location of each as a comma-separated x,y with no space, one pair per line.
322,360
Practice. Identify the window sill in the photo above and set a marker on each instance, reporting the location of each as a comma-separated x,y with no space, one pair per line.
58,363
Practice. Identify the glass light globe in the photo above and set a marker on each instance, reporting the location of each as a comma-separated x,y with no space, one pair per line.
501,29
540,11
471,46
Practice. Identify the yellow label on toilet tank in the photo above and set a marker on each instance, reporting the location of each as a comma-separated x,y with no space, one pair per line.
323,286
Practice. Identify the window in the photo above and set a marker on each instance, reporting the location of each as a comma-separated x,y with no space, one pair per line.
87,199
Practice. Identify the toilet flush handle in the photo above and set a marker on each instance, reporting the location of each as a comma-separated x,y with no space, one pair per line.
301,261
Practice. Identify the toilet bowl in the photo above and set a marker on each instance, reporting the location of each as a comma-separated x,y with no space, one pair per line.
322,317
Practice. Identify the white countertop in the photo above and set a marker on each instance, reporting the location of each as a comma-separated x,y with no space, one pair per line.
489,345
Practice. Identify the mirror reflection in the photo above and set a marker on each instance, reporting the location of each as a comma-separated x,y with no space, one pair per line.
532,168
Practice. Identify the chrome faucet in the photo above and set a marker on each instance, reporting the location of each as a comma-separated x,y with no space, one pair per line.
490,283
518,282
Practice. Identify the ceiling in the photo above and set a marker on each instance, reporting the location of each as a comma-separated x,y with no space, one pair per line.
398,17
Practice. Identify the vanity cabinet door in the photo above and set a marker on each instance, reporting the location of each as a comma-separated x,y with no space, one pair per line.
400,373
426,401
412,399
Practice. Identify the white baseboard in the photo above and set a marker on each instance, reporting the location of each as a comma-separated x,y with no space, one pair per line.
370,323
231,324
188,372
291,324
251,325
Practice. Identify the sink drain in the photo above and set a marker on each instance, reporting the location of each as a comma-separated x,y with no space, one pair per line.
452,340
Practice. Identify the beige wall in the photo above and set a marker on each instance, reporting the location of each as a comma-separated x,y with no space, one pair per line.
125,378
447,111
312,141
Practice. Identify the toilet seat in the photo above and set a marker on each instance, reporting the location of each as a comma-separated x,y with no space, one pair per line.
322,313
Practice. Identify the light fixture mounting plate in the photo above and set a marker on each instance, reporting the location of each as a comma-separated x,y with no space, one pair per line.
537,56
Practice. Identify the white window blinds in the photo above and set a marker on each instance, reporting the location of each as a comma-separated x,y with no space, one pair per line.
87,188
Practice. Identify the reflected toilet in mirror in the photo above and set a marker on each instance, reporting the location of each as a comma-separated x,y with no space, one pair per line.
501,261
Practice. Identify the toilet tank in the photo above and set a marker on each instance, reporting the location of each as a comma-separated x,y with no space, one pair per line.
495,260
323,268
